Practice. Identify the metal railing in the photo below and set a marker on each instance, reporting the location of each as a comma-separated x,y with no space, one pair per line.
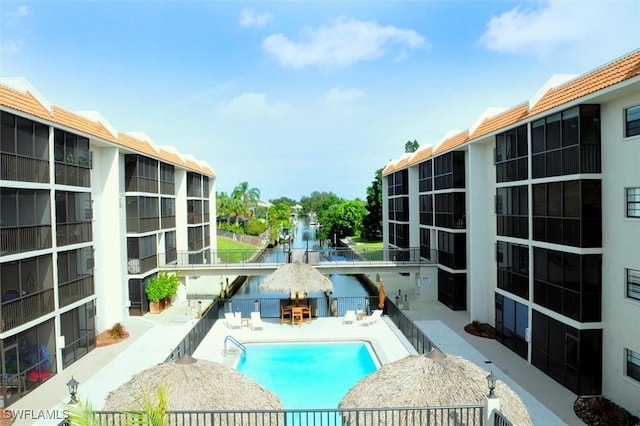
499,419
281,256
470,415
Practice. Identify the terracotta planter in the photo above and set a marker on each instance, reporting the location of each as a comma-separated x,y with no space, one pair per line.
156,307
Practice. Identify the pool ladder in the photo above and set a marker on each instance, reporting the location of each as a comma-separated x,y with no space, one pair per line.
235,342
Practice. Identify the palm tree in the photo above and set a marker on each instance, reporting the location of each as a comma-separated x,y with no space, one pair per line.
249,196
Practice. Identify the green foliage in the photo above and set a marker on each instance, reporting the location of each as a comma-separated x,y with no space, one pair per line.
372,222
248,196
411,146
342,218
150,411
255,226
232,227
315,202
162,286
81,414
284,200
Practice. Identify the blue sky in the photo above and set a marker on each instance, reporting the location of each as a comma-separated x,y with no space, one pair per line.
300,96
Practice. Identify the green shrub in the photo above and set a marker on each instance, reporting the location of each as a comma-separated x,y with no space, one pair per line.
162,286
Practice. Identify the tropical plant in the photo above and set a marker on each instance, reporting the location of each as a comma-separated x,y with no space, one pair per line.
149,412
372,222
81,414
411,146
249,196
163,286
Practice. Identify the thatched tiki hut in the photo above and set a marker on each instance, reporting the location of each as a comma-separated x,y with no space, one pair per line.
296,277
434,380
198,385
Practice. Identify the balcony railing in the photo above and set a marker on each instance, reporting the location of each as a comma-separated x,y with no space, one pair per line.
168,222
23,169
140,266
26,308
72,175
73,233
73,291
24,238
140,225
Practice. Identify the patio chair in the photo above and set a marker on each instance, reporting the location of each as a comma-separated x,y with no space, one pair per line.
232,320
256,321
349,317
285,312
373,318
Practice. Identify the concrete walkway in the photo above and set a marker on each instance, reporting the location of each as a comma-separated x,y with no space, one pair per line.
153,337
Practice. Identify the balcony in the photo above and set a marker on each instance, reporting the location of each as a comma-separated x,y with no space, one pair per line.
26,238
73,233
25,308
75,290
168,222
72,175
23,169
140,225
140,266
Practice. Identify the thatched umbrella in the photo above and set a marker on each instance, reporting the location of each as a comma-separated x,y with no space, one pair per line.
429,381
197,385
296,277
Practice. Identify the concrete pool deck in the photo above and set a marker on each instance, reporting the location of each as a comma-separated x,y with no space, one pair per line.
154,336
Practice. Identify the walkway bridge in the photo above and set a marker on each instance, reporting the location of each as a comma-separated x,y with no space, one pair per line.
327,261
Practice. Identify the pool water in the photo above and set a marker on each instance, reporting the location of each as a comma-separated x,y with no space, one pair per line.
308,375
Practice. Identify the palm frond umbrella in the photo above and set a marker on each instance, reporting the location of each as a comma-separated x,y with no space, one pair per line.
296,277
433,380
197,385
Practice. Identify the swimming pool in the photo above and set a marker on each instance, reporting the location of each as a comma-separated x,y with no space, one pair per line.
309,375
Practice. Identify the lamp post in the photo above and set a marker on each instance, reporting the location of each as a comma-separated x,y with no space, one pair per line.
491,383
73,390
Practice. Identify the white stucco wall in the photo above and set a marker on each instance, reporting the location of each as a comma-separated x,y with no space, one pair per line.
109,236
621,247
481,232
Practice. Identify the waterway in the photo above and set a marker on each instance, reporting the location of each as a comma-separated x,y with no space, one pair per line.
303,238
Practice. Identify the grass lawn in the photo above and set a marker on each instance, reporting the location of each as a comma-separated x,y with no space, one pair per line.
370,250
231,251
365,245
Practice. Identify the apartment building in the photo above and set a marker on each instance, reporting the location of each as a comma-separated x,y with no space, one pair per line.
533,214
86,215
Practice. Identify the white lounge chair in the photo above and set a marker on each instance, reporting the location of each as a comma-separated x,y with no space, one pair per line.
233,321
373,318
256,321
349,317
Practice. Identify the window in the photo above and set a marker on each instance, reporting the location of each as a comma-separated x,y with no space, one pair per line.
633,364
632,121
633,202
633,284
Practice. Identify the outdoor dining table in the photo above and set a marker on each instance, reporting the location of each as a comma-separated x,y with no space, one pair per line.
300,314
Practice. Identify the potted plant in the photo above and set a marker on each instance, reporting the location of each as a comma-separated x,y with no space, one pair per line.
160,290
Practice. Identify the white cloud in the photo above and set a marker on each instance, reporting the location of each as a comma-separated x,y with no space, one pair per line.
337,96
557,26
13,19
15,16
249,18
252,105
345,42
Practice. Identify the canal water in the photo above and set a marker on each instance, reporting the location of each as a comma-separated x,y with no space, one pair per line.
303,238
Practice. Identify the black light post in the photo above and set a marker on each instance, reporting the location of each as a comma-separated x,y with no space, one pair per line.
73,390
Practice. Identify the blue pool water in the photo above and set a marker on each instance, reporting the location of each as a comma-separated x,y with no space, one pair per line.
308,375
